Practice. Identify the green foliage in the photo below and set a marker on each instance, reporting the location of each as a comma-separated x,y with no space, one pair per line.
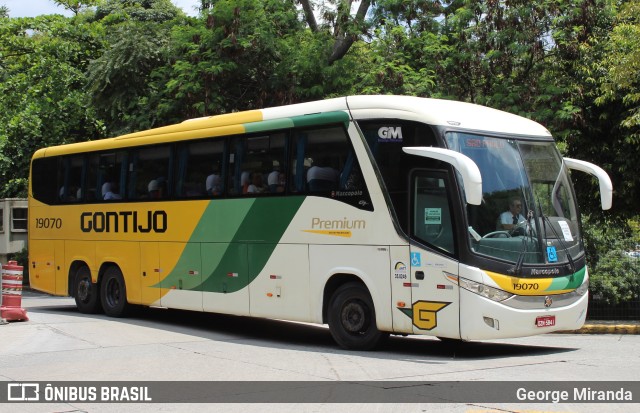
240,55
616,278
614,275
41,76
604,233
136,36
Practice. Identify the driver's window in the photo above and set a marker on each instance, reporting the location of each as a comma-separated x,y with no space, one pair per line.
431,211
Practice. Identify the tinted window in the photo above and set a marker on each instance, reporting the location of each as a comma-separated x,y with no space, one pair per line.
199,169
256,164
431,220
43,186
70,179
386,138
324,164
149,176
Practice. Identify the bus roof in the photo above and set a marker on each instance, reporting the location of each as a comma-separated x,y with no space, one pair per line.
431,111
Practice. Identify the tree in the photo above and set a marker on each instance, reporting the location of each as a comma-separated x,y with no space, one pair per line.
236,55
76,6
41,77
136,36
595,64
344,26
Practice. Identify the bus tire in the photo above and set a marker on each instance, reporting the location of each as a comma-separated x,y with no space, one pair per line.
113,293
352,318
85,292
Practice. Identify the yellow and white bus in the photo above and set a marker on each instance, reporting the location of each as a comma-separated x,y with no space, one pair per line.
374,214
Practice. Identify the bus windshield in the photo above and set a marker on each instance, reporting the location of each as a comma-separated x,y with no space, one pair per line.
528,212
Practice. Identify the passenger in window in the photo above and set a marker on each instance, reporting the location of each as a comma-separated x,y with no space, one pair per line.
245,181
322,178
511,218
155,189
70,197
256,186
213,183
276,180
110,191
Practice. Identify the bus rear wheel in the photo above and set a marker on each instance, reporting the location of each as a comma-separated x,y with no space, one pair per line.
352,318
113,293
85,292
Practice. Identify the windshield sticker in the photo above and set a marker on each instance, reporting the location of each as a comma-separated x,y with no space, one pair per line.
433,216
565,230
552,255
481,143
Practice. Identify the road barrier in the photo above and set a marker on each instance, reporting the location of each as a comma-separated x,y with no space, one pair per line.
11,308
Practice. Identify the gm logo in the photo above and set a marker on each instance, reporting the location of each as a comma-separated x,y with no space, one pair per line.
23,392
390,134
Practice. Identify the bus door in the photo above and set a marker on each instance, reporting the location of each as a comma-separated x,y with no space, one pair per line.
435,295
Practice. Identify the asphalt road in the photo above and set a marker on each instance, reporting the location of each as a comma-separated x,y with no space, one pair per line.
60,344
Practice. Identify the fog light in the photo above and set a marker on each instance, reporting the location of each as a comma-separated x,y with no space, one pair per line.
491,322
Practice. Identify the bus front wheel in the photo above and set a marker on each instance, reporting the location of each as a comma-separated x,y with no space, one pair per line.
85,292
113,293
352,318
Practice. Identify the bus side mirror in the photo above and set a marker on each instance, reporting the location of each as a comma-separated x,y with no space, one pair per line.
606,187
471,178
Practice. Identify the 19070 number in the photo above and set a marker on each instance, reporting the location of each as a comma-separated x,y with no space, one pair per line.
53,223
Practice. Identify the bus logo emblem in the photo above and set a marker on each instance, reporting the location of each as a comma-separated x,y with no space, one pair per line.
548,301
424,314
390,134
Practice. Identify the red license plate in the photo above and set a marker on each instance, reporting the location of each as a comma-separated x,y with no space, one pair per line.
546,321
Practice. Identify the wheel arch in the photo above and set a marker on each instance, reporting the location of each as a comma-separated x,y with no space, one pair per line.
331,286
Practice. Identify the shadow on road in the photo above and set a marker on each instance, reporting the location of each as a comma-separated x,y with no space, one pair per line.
306,337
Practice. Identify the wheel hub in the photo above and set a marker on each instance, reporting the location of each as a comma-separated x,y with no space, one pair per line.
84,287
353,317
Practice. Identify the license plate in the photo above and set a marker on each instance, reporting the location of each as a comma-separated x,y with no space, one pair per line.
546,321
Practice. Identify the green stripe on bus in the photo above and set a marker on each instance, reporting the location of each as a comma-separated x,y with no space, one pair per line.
268,125
298,121
569,282
321,119
232,261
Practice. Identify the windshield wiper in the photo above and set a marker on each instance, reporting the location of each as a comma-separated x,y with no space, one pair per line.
517,269
563,244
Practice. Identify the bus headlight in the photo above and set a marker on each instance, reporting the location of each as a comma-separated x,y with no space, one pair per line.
582,290
491,293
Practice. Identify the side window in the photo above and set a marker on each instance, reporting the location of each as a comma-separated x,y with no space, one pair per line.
106,176
431,220
44,188
199,169
1,220
19,219
386,138
149,173
325,164
70,179
256,164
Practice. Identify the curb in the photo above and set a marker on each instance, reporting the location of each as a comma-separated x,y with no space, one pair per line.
609,329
